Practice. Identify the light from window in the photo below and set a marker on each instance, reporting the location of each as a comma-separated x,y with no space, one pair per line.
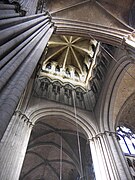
126,140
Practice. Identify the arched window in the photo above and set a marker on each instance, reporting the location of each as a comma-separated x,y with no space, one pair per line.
76,75
57,69
68,73
126,140
48,66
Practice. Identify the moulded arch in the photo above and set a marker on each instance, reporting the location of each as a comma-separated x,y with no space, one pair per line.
68,85
56,82
109,93
84,122
48,115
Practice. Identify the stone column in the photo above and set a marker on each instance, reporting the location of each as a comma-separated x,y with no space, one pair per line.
109,162
22,45
97,160
62,94
13,146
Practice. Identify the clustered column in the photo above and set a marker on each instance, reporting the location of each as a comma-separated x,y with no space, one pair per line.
22,40
13,146
108,160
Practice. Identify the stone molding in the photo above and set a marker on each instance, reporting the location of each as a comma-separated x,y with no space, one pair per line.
100,134
24,118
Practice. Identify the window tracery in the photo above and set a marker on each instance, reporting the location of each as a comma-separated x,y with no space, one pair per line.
126,140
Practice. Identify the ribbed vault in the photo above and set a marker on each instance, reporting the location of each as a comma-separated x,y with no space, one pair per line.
53,152
72,54
70,57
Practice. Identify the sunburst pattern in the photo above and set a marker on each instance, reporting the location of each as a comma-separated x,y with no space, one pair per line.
69,56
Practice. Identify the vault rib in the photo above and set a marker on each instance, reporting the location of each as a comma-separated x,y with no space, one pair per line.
55,44
65,39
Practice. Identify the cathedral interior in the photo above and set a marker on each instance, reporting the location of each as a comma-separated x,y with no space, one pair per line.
67,90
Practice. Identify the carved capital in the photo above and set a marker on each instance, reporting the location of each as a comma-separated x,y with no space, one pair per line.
101,134
24,118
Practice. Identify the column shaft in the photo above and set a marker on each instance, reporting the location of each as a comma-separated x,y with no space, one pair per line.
11,47
13,147
109,162
22,47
